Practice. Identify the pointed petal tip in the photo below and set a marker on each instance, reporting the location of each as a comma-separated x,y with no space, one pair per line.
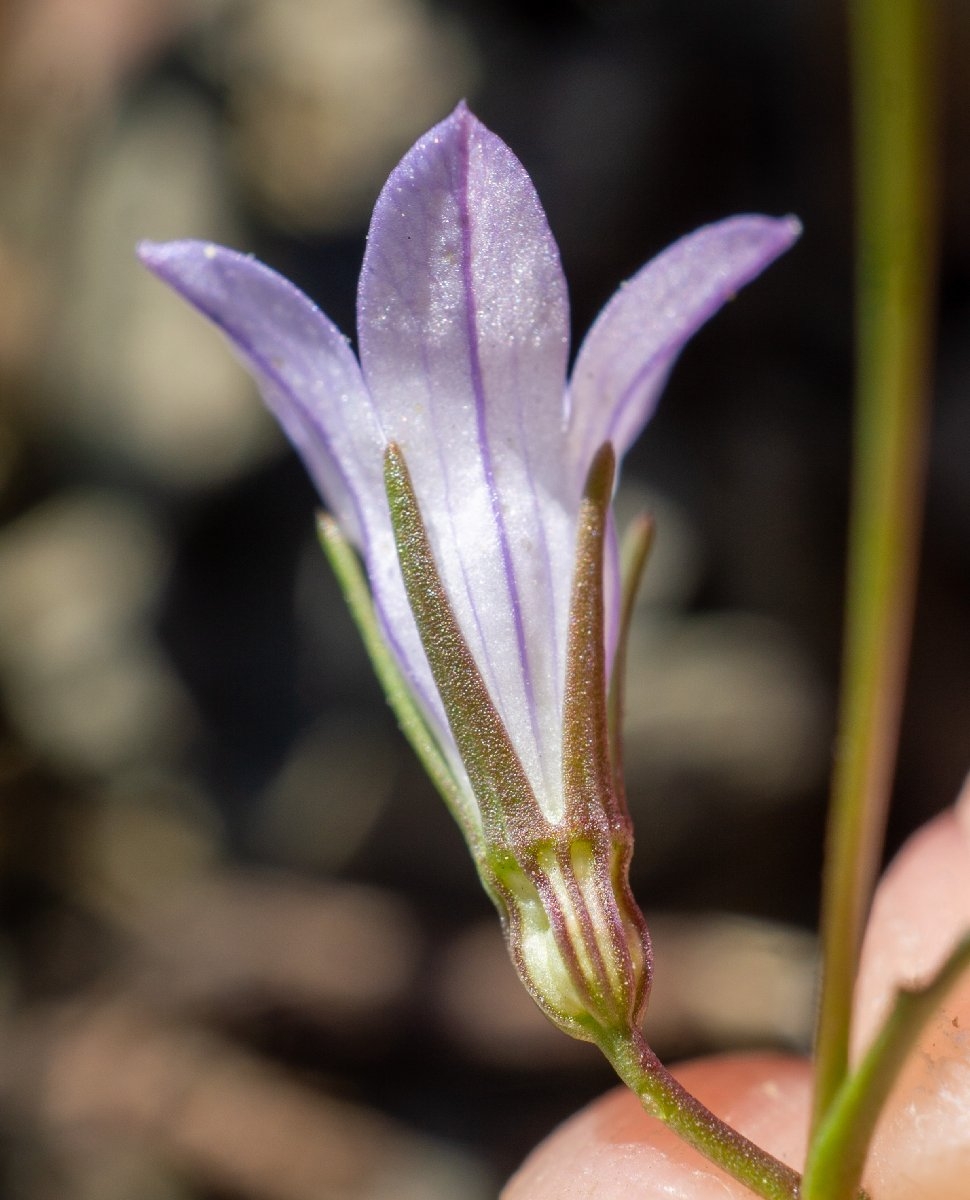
171,260
789,228
461,124
775,233
778,234
742,245
624,360
460,127
152,254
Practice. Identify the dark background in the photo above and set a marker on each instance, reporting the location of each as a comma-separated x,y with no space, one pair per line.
242,950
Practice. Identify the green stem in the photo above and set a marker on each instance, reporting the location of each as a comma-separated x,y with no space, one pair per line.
663,1097
895,149
353,584
838,1152
634,552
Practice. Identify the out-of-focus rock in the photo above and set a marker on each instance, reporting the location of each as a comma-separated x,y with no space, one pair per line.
111,1076
134,375
486,1010
342,953
61,67
83,680
144,834
23,308
327,97
723,699
333,786
71,56
676,563
724,981
83,1171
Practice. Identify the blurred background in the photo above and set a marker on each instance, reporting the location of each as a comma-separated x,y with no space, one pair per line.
243,953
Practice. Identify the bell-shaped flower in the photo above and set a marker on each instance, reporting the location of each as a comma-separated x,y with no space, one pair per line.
475,483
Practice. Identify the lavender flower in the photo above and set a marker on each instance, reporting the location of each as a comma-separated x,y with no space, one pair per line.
475,485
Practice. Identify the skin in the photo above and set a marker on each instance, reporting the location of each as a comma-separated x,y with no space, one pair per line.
612,1150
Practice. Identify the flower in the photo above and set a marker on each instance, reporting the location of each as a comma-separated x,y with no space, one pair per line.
475,485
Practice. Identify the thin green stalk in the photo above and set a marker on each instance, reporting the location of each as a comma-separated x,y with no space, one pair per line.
353,584
895,148
838,1152
634,552
663,1097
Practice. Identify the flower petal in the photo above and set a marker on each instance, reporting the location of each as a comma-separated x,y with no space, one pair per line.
626,356
305,368
463,338
310,380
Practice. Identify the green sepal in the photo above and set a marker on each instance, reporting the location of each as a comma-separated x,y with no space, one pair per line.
838,1152
586,766
509,811
617,949
350,576
634,552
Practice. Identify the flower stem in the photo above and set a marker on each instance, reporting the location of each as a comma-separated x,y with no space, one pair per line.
838,1152
895,147
663,1097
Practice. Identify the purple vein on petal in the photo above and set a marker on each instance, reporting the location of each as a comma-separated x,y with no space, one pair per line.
545,555
486,666
447,509
478,390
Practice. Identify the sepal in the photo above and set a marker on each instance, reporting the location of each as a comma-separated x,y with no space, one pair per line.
574,932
